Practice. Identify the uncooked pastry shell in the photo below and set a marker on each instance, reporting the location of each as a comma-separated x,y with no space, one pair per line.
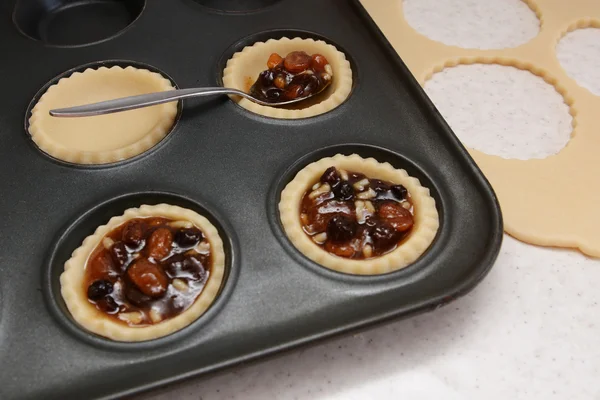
107,138
90,318
244,66
532,215
420,238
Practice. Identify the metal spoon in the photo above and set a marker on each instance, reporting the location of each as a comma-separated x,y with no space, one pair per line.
151,99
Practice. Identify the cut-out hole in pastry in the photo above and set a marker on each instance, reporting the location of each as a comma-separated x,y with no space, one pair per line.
75,23
479,24
502,110
579,54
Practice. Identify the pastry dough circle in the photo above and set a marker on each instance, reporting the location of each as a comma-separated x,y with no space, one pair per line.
244,66
106,138
419,239
90,318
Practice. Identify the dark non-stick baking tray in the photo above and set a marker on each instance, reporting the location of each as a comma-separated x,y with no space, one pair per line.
229,165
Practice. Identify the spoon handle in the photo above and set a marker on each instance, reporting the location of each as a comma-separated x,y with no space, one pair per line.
144,100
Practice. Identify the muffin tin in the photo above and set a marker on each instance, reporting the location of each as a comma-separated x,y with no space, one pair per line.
229,165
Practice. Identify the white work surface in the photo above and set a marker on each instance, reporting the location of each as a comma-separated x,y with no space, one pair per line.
531,329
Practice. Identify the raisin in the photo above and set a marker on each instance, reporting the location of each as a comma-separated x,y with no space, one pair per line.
384,236
119,254
379,186
98,289
331,176
272,95
275,60
185,266
133,234
399,192
318,62
399,217
343,191
297,61
136,297
266,78
188,237
341,228
108,305
159,244
148,277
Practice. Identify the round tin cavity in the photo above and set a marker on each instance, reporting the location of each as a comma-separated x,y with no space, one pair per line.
365,151
76,231
241,63
75,22
124,154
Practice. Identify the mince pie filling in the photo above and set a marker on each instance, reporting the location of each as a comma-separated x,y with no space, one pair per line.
296,76
353,216
148,270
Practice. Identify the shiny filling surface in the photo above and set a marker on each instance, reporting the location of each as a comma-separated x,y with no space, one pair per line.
353,216
148,270
298,75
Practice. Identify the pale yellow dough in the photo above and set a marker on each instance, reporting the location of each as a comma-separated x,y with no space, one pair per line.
244,66
86,314
107,138
420,238
527,189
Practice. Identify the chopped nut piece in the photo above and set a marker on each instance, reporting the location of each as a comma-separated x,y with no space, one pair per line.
343,174
360,185
406,205
320,238
155,316
369,194
326,77
316,186
321,190
328,69
107,243
304,219
203,247
134,317
367,251
370,207
180,285
181,224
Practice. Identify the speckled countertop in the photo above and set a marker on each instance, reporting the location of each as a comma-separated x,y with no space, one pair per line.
531,329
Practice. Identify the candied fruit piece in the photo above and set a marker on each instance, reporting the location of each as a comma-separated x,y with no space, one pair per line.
340,249
159,244
399,217
148,277
318,62
293,92
275,60
297,61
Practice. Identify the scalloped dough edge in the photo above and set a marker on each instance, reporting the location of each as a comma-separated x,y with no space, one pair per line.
246,64
43,140
86,314
421,237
